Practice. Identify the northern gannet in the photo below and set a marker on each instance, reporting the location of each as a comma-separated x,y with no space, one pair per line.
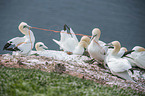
40,49
69,42
39,46
138,56
80,48
96,48
22,45
118,66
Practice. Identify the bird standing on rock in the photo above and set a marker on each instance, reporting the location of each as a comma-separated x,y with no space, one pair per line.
22,45
96,48
117,65
138,56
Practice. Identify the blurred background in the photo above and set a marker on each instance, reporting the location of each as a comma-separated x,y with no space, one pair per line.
122,20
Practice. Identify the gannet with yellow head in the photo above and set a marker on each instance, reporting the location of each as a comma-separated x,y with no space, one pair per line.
97,50
22,45
39,46
138,56
117,65
69,42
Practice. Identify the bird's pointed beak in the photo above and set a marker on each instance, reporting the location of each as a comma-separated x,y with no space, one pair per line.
45,47
130,51
109,45
29,26
93,37
6,46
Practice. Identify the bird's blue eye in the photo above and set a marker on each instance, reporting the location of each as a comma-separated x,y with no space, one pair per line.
11,42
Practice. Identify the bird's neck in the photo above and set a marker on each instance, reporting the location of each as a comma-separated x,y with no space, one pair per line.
29,34
40,49
96,38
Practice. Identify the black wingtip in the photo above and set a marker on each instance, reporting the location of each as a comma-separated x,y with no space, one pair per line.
65,26
6,46
17,49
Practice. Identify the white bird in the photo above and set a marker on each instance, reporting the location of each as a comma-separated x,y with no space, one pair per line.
117,65
22,45
138,56
69,42
80,48
96,48
39,46
40,49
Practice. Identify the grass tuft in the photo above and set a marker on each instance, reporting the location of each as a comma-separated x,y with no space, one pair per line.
28,82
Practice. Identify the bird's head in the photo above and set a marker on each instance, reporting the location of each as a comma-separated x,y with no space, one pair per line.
24,27
96,33
40,46
138,49
86,39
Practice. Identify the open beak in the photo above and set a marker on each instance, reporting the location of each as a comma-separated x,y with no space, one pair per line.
6,46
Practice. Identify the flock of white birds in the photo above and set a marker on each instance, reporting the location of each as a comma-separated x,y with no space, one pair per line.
117,58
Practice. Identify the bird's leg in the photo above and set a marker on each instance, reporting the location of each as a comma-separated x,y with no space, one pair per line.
90,61
105,66
131,70
102,64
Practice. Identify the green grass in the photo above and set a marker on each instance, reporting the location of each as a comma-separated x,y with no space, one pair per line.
30,82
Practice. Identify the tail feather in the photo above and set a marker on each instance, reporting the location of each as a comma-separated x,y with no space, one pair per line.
124,75
57,42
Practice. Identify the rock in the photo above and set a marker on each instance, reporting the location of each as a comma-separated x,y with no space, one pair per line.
60,68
